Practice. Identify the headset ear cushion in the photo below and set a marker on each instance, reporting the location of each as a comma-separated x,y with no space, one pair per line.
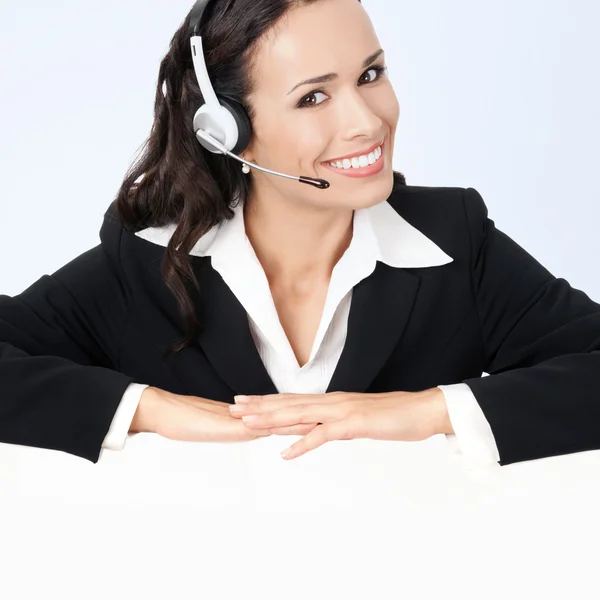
242,120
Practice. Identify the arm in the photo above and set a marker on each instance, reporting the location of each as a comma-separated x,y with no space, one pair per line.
59,351
541,342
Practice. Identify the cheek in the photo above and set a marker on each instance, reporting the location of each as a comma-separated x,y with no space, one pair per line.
309,143
292,145
390,108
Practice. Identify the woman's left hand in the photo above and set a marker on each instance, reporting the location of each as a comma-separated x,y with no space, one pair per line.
400,416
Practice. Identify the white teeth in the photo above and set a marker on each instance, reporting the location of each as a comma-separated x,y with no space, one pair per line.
358,161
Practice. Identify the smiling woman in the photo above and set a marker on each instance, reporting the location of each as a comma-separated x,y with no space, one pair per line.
259,58
260,54
369,308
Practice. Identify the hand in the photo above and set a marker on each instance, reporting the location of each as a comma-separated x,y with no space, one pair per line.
401,416
195,419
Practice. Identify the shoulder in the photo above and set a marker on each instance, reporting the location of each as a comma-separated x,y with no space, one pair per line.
452,216
414,199
128,247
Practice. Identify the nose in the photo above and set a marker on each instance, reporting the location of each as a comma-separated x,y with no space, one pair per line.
359,117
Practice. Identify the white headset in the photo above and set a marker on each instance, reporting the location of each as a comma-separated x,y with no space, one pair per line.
221,124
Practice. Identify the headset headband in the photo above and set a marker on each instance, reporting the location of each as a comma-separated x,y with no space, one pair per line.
196,16
221,124
219,117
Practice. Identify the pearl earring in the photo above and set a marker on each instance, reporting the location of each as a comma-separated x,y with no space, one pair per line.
245,169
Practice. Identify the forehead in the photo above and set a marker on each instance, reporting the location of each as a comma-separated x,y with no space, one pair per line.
311,40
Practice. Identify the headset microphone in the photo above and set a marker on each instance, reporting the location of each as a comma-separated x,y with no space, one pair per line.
319,183
221,124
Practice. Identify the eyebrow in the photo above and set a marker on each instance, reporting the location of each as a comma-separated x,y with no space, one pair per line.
331,76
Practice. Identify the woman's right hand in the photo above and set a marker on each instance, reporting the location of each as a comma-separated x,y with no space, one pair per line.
196,419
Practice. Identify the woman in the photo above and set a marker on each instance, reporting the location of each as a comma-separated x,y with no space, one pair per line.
360,307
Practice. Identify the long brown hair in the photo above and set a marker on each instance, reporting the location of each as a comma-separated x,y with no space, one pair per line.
175,180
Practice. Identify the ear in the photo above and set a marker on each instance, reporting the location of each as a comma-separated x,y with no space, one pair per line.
248,152
247,155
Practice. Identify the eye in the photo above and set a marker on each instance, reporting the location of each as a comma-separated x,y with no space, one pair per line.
379,71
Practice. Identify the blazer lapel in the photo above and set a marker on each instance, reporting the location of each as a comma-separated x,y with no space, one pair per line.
226,339
380,309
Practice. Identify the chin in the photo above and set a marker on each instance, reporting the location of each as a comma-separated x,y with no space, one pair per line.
371,195
356,194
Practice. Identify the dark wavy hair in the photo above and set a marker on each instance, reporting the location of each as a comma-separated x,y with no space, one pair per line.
175,179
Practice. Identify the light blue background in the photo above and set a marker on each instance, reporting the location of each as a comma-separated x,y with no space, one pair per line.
500,96
504,97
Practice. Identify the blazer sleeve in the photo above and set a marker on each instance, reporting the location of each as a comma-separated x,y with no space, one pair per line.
59,353
541,339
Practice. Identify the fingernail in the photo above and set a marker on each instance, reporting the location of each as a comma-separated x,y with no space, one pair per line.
242,398
287,453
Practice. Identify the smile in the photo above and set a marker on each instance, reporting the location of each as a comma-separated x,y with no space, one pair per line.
360,166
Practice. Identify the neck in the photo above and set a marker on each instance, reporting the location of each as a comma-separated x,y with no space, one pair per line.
297,245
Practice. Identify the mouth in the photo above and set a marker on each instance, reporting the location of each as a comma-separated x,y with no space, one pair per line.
363,165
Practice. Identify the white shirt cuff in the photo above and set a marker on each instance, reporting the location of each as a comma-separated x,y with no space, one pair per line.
472,439
118,432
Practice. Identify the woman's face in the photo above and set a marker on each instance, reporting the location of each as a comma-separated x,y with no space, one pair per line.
298,126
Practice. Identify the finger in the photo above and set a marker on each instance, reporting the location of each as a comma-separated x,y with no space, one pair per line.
336,430
260,407
292,429
326,432
256,404
245,399
294,415
286,399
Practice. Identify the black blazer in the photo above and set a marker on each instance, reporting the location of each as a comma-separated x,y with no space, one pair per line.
72,342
